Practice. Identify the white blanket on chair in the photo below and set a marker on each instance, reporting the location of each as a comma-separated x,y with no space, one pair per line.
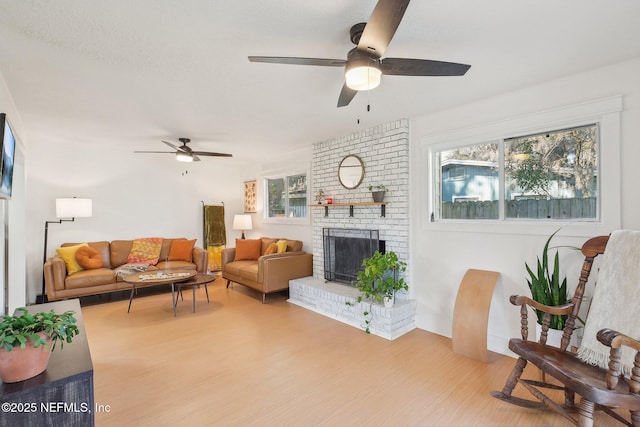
616,300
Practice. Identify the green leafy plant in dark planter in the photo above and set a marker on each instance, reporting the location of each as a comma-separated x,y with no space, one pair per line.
546,286
378,280
24,334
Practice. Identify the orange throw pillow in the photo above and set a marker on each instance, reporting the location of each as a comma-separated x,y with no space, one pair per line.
248,249
271,249
88,258
181,250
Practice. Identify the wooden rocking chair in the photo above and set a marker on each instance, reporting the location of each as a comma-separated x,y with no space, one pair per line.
598,388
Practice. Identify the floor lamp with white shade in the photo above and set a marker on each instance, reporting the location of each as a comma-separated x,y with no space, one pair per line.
67,210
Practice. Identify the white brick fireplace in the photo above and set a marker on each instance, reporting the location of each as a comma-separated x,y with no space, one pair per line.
384,150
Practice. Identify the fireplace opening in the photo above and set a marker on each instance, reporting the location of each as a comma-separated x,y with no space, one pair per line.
344,250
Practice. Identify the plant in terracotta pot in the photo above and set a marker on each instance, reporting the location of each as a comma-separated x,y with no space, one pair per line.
378,192
27,340
379,280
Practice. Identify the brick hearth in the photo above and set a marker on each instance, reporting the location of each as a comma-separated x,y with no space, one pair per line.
329,299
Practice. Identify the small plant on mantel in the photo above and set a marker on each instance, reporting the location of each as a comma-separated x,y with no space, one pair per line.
377,192
378,281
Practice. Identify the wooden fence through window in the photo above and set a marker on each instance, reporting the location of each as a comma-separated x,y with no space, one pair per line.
523,209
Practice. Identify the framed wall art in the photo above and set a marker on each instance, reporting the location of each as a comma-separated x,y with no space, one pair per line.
250,196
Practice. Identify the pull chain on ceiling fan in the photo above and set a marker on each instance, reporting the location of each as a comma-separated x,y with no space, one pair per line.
365,64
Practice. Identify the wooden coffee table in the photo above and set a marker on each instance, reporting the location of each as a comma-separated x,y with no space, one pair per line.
159,277
195,281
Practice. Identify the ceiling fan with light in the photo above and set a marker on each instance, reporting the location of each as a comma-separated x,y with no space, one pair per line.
185,154
365,64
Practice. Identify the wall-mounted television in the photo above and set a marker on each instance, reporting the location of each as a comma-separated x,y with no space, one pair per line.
6,161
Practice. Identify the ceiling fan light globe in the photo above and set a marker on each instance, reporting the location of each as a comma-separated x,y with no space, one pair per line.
183,157
363,77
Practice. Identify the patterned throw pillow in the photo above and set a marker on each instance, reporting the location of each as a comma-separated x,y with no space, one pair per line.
146,251
271,249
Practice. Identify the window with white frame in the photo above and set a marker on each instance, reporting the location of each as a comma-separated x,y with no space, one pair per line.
579,147
552,174
286,196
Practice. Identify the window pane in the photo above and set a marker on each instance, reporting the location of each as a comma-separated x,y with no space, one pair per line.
297,195
552,175
469,182
276,197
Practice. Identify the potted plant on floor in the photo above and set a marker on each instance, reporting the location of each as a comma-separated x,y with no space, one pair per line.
27,340
378,192
547,288
379,280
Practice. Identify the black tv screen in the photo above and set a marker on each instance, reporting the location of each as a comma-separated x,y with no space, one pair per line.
8,151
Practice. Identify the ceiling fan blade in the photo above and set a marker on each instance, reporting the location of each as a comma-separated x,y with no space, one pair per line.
299,61
421,67
346,95
210,154
382,25
175,147
156,152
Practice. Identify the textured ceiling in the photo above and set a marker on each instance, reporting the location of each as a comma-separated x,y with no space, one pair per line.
135,72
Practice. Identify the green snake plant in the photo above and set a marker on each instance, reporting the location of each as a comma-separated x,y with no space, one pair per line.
546,286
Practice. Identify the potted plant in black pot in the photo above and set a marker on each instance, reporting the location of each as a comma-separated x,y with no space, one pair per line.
378,192
379,280
27,340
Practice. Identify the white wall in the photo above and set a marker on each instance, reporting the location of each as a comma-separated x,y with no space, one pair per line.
440,256
134,195
12,263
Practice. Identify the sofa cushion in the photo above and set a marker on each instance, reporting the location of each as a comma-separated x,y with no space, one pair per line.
250,272
104,249
145,250
235,267
266,242
181,250
248,249
68,254
120,251
175,265
88,258
88,278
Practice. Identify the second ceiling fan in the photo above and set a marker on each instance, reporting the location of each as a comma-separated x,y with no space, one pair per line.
365,63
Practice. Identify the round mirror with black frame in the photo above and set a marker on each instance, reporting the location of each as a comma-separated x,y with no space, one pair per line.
351,171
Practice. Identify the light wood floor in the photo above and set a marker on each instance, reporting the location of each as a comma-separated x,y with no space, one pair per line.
237,362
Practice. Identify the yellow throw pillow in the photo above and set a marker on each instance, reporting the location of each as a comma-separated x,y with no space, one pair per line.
145,251
68,254
282,246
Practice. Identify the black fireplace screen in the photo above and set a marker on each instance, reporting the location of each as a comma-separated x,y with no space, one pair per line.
344,250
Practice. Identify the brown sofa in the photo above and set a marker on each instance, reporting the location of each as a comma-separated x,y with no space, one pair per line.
269,273
114,254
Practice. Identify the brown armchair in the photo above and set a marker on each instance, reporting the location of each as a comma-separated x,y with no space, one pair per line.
269,273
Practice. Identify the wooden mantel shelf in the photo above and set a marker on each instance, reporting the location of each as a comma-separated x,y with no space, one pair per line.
351,205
